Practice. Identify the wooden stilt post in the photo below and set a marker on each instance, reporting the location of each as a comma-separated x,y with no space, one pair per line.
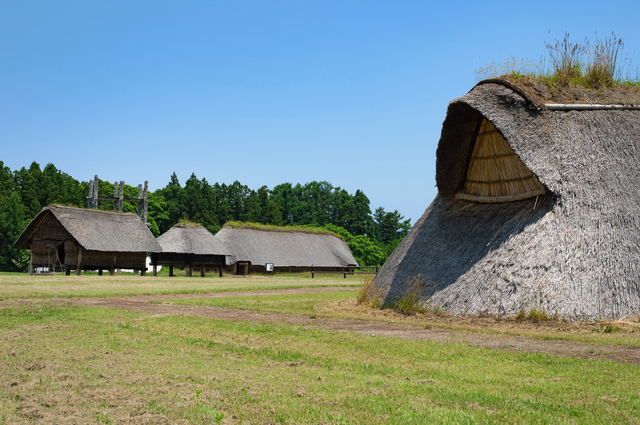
170,271
31,265
143,271
99,272
67,271
188,270
79,262
155,270
220,271
202,271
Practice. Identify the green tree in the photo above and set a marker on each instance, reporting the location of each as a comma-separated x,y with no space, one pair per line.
390,225
26,183
363,249
271,213
363,222
12,223
253,209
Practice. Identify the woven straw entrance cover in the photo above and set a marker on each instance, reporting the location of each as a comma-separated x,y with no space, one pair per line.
495,173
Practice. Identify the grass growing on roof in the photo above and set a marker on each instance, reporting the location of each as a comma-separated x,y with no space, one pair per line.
272,228
592,64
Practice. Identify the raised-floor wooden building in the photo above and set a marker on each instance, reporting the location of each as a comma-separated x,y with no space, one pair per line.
190,245
86,239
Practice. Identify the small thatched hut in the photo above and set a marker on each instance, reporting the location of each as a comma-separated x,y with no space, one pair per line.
538,206
190,245
83,239
288,250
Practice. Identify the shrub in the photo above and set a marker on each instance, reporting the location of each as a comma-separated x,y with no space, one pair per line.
534,315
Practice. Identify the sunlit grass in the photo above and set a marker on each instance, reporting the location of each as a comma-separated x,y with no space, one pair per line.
102,365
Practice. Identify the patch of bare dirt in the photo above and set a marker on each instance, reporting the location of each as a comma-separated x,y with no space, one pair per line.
490,333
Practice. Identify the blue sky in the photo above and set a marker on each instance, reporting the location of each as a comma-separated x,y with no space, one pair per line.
353,93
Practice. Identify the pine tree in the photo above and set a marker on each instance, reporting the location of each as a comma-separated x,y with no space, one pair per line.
12,224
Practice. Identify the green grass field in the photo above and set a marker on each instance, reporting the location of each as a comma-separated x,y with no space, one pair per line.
65,363
23,286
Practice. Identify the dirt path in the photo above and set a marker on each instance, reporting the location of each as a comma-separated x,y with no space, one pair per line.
374,328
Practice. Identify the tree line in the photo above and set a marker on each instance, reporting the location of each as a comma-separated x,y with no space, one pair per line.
371,236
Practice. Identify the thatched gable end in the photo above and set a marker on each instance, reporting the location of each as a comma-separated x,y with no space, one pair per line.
572,251
195,240
84,239
95,230
190,245
286,249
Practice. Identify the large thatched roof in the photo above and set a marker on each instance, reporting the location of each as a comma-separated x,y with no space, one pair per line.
95,230
286,249
191,239
574,250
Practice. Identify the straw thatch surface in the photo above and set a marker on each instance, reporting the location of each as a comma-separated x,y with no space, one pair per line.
95,230
495,172
286,249
538,93
574,251
191,239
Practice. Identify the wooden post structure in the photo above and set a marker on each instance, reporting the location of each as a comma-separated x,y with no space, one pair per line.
155,270
146,191
120,200
67,271
188,270
202,271
90,197
31,270
115,194
220,271
95,191
170,271
99,272
139,197
143,271
79,262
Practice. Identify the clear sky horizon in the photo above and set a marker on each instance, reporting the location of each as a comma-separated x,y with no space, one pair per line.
353,93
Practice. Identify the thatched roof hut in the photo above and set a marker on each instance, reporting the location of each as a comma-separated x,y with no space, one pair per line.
190,245
286,249
538,206
86,239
